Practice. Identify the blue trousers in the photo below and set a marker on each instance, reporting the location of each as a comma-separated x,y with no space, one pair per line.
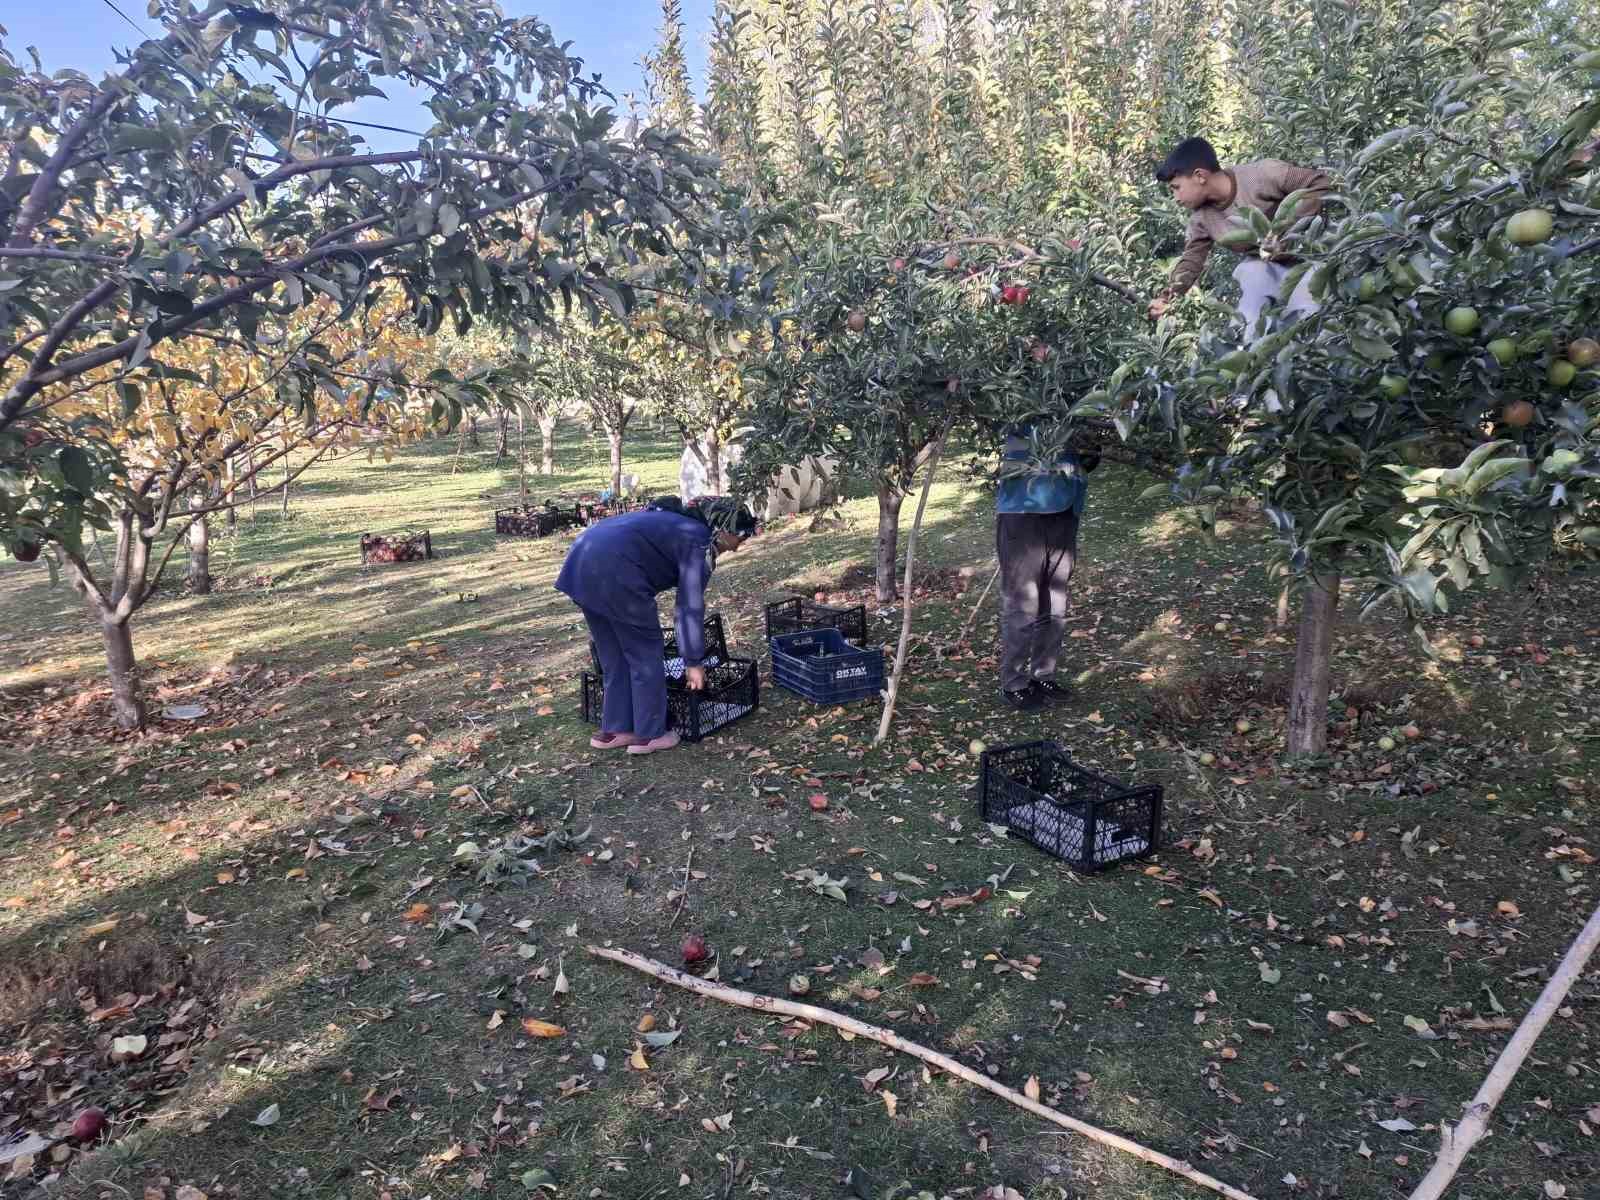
635,676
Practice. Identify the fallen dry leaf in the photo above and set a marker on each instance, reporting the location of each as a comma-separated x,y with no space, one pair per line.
1031,1088
534,1027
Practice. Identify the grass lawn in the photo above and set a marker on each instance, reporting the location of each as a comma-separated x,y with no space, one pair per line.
324,1001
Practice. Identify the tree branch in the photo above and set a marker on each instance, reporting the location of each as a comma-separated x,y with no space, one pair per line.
33,208
887,1037
31,384
103,260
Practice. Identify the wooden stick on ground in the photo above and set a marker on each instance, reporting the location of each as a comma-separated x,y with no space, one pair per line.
887,1037
1454,1143
683,896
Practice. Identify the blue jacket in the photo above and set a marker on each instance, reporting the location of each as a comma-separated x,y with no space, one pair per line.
1041,492
618,566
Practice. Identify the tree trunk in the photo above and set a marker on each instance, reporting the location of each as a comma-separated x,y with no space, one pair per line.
472,425
616,463
200,549
522,452
714,463
287,474
233,483
547,430
502,448
889,502
127,704
250,467
1308,699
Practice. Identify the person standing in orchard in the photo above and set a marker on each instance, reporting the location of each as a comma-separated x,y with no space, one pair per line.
613,573
1216,199
1036,540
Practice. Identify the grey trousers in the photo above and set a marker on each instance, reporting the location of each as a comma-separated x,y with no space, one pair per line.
1036,553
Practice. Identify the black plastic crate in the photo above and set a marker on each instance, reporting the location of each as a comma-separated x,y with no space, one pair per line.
797,614
535,520
716,648
821,666
1066,810
733,690
411,546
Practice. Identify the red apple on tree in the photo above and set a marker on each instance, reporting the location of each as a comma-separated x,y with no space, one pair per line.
952,261
1040,352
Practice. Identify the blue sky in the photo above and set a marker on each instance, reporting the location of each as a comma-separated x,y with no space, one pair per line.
610,35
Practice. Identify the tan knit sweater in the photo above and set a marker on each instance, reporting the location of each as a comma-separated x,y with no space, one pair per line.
1260,185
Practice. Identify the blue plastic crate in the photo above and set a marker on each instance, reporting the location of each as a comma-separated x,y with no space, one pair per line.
824,668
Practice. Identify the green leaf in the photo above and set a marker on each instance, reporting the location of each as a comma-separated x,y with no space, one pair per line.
76,470
1384,143
612,298
1560,462
1372,349
1492,472
663,1038
139,137
449,219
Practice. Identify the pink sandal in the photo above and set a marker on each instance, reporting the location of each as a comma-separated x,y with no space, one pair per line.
613,741
666,741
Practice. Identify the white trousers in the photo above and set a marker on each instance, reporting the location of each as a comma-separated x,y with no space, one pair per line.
1259,281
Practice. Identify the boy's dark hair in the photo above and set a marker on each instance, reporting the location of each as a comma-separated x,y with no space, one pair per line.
1192,154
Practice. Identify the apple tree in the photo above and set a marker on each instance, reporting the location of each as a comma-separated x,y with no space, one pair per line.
1433,425
901,329
180,197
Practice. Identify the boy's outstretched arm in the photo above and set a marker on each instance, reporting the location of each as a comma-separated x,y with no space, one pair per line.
1185,271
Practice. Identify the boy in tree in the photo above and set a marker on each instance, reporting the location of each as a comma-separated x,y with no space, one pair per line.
1216,198
1036,539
